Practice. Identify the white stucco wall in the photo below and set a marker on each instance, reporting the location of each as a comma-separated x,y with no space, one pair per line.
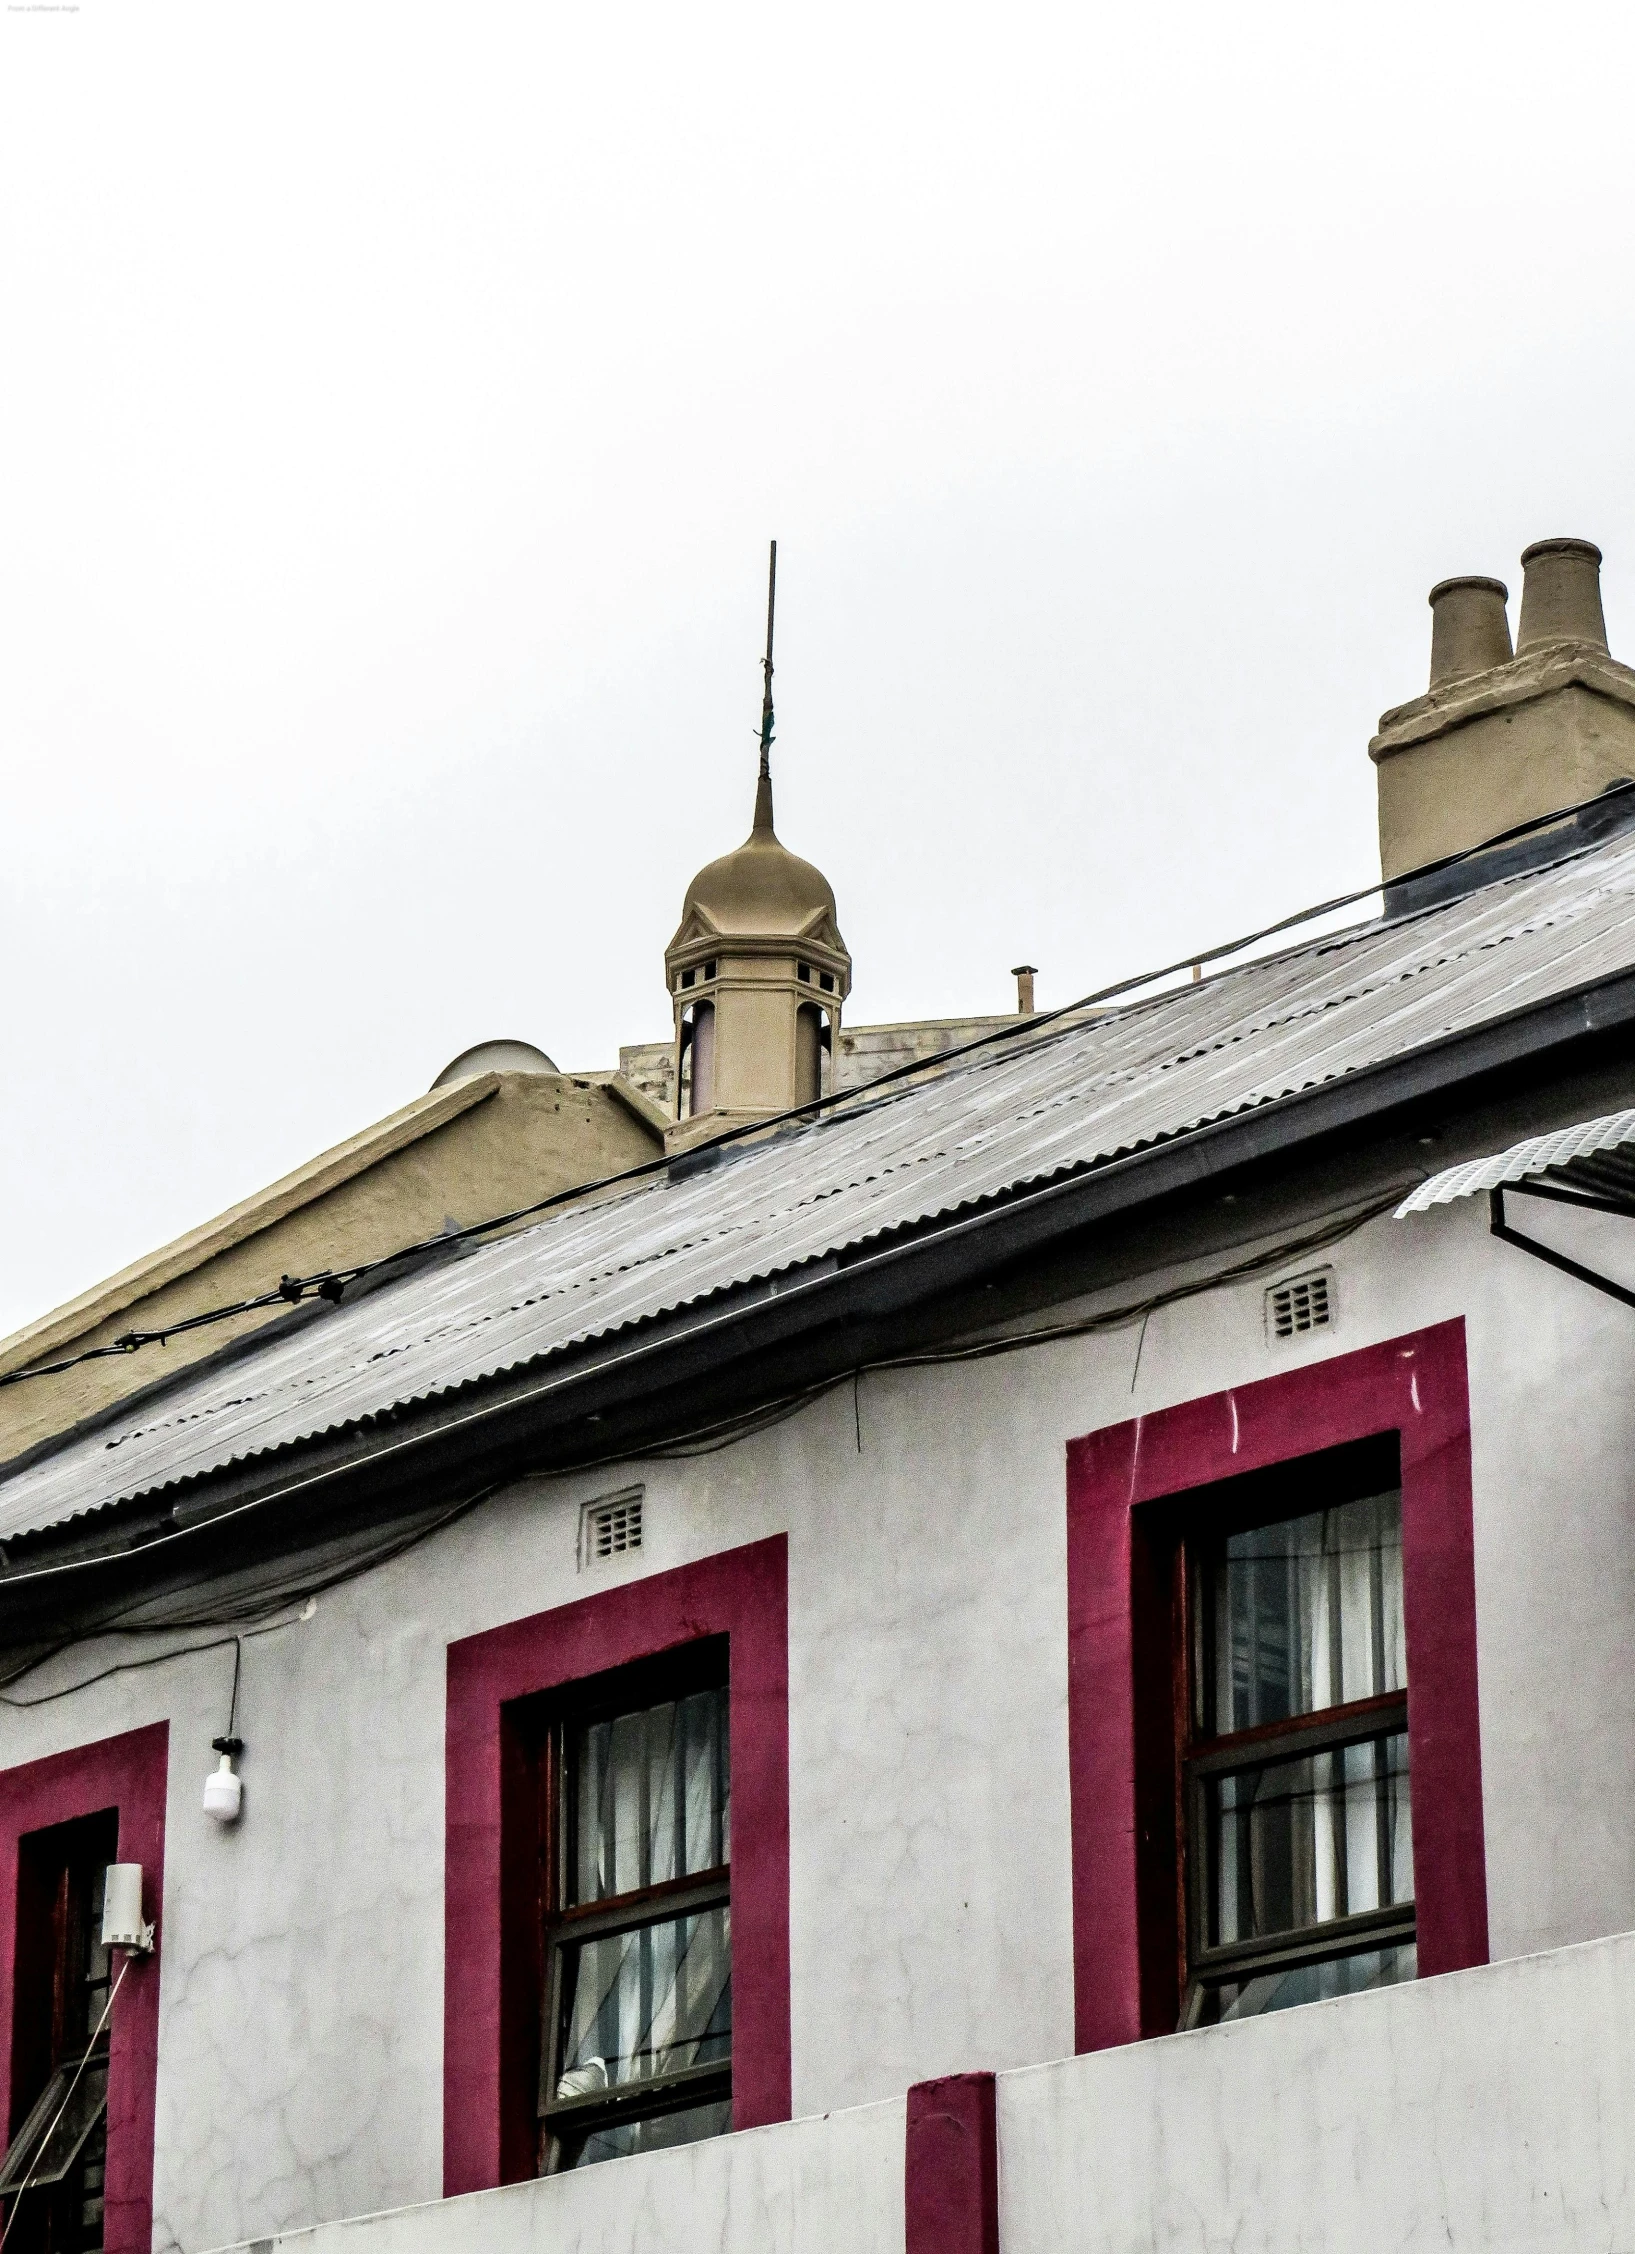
804,2187
301,2016
1484,2111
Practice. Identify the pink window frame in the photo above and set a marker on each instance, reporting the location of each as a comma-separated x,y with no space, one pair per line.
1414,1386
128,1773
742,1595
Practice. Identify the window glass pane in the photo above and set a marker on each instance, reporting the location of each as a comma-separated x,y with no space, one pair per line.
650,2135
1293,1843
98,1966
652,1800
647,2002
1307,1614
49,2141
1277,1989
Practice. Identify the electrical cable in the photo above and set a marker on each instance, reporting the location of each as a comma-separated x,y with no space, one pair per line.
701,1440
27,2184
134,1666
331,1283
305,1594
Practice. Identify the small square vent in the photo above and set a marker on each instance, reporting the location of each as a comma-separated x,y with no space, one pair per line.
1300,1304
611,1528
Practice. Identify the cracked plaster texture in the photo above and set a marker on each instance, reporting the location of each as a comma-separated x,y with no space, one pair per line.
301,2000
803,2187
1484,2112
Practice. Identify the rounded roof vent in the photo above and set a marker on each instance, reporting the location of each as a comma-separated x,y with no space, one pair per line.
494,1056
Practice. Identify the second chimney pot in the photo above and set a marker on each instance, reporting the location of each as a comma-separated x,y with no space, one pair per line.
1561,594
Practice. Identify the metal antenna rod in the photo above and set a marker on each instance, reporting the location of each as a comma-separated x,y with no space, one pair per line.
766,667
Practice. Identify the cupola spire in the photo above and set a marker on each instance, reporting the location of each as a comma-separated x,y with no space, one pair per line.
758,971
763,788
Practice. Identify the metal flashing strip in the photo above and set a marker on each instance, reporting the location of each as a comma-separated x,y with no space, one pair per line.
1540,1154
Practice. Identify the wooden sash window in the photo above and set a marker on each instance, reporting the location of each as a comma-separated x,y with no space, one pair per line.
1294,1800
51,2181
636,2048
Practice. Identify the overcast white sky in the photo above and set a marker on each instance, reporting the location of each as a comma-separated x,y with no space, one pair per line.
396,401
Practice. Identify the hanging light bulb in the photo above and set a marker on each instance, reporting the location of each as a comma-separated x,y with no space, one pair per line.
223,1790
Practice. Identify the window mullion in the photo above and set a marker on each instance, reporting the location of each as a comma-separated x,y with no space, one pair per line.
1305,1733
1340,1937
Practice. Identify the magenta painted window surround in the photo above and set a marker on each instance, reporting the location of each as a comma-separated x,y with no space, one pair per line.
741,1594
1414,1386
127,1773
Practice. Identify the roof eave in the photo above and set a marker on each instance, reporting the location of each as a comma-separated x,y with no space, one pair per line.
525,1413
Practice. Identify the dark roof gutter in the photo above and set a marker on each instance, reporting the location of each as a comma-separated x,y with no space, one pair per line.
626,1390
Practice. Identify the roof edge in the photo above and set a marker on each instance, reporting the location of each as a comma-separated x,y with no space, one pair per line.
877,1281
328,1171
624,1091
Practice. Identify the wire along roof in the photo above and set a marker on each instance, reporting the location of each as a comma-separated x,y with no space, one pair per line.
1076,1095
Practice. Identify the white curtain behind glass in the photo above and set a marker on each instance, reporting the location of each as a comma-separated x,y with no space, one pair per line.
1307,1615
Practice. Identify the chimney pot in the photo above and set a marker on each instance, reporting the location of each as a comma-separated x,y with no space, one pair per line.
1561,594
1470,632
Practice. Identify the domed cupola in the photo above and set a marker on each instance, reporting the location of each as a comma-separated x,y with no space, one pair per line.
757,972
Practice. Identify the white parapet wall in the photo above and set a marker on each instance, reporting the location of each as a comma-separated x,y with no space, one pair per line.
1483,2111
805,2187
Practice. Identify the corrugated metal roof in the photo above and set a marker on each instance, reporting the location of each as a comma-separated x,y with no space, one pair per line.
1078,1095
1538,1155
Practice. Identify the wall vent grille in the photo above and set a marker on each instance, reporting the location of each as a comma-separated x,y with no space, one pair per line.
611,1528
1300,1304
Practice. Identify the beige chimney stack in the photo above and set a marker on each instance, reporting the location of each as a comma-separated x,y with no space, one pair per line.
1470,632
1499,739
1561,595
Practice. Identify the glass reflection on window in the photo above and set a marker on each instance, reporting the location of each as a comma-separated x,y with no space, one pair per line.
1281,1987
653,1797
647,2002
1295,1843
639,2052
1308,1614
